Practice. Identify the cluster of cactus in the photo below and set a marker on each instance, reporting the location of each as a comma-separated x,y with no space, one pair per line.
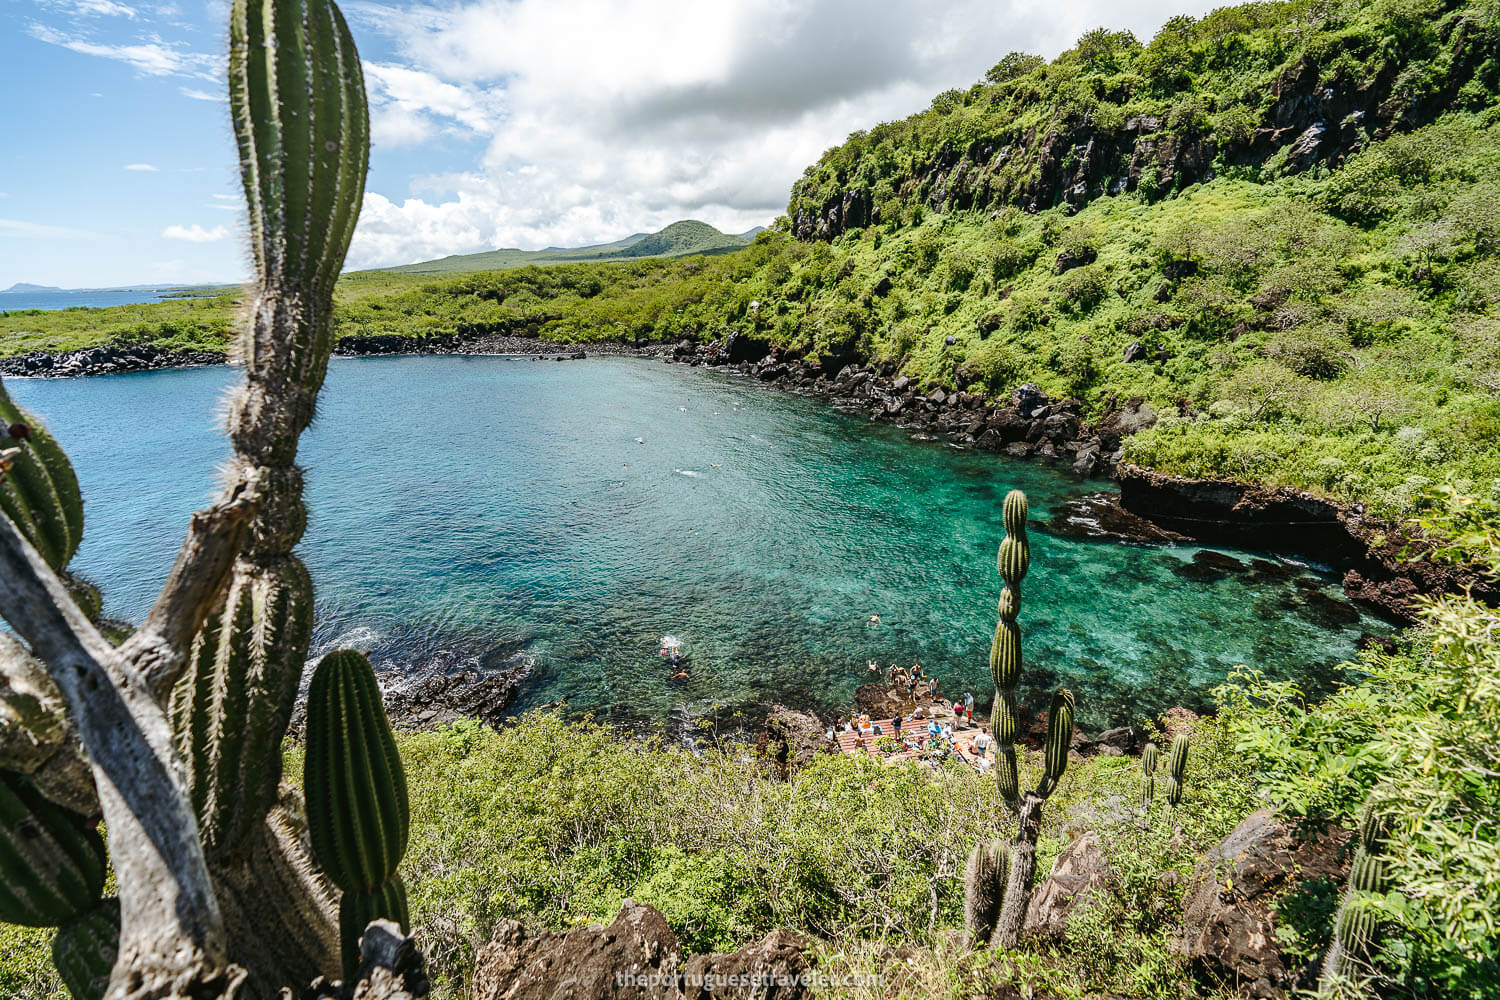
1176,771
996,888
53,865
1354,926
301,123
357,810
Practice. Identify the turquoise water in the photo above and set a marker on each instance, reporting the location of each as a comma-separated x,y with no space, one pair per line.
491,511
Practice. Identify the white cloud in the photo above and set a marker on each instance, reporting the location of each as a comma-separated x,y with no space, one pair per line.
91,8
37,230
151,56
143,168
605,117
196,233
203,95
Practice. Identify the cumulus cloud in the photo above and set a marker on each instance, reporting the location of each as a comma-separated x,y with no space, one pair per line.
196,233
604,117
142,168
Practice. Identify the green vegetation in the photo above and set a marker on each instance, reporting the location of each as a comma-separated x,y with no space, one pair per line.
680,239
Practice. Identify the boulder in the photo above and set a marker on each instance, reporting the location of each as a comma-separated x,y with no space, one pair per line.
637,956
1228,933
1079,873
794,738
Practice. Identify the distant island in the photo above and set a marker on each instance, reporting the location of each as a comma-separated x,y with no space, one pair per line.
22,286
681,239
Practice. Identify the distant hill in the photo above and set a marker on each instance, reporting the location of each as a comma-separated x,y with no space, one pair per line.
680,239
22,286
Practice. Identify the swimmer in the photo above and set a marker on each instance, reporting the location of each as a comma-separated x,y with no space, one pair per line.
681,675
874,621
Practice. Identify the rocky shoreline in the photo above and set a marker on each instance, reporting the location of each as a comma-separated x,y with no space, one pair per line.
1371,555
113,359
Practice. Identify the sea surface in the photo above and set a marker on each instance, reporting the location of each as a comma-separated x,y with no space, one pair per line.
487,512
96,298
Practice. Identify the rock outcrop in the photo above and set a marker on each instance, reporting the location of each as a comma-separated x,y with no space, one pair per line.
794,738
1372,554
1079,874
1228,930
636,956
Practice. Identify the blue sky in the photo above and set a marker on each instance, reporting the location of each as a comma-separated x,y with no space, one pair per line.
496,123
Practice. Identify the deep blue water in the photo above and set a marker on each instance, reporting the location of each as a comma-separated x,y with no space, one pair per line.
489,511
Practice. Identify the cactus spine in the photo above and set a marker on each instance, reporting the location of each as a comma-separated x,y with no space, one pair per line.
356,795
984,889
1354,926
991,881
1013,560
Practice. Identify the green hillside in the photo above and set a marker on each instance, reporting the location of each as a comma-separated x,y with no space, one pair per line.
680,239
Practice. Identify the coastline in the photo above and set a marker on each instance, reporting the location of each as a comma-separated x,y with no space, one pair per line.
1372,556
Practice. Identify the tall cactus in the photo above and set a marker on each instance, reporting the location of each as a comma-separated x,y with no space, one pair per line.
356,796
1013,560
1148,775
1354,926
225,644
1010,884
85,948
1177,769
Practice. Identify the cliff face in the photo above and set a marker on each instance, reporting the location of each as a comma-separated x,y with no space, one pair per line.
1339,92
1381,565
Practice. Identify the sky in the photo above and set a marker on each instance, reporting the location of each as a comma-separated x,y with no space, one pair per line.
495,123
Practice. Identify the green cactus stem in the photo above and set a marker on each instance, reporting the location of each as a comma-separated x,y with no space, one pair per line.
355,786
52,862
1059,740
1013,560
1177,769
358,909
232,707
39,490
85,948
984,889
1148,774
356,796
1355,928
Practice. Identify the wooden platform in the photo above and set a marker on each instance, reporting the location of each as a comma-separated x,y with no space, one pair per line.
913,731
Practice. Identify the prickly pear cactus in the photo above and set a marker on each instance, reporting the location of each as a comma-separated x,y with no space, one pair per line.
84,950
355,786
39,491
52,863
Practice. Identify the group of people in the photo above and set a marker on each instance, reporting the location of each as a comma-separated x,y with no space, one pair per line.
936,737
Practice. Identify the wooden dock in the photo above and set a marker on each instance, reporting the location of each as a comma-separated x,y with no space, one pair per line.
912,731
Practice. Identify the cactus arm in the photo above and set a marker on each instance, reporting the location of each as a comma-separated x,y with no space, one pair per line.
159,650
172,941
